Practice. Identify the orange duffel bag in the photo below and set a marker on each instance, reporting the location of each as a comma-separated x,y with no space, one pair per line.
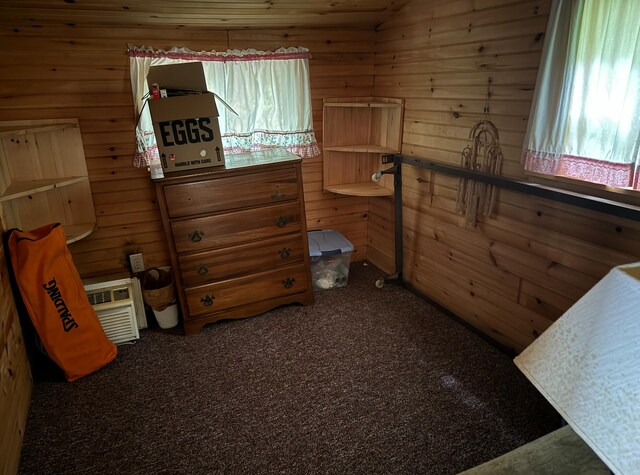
56,301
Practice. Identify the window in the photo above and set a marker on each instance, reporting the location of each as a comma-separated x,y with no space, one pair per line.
585,117
268,90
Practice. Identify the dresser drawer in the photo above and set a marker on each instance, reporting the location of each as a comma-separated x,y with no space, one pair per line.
235,228
246,290
227,193
246,258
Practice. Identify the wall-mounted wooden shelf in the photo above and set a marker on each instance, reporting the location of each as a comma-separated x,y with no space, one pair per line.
75,232
357,132
359,189
43,177
32,129
365,148
374,102
30,187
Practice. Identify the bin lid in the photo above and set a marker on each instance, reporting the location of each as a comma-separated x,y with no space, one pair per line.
327,243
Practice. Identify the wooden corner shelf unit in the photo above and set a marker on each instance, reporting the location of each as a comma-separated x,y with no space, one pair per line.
43,177
358,131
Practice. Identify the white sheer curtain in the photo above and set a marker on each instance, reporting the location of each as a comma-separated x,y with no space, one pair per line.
269,91
585,116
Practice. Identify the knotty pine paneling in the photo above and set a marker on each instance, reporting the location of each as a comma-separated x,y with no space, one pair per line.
15,376
243,14
60,71
381,234
513,274
49,72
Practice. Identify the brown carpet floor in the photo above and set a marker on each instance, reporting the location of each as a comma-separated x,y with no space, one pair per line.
366,380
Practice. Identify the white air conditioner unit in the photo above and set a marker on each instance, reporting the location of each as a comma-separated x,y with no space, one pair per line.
118,303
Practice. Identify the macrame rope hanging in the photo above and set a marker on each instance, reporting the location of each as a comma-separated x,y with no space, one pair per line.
482,154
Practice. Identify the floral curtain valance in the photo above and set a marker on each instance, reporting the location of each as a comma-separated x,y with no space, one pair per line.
268,90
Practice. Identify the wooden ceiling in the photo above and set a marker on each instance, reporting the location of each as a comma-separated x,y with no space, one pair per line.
222,14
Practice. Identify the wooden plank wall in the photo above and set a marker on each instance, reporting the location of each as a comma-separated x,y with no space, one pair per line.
51,72
511,276
67,71
15,376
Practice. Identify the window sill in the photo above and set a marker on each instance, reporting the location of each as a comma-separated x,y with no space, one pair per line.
582,199
625,196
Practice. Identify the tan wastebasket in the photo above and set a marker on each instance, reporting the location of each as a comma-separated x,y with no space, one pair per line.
159,292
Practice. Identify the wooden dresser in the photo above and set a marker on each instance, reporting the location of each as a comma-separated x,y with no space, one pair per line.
237,236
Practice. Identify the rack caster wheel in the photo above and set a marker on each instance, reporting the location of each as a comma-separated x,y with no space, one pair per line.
376,176
380,282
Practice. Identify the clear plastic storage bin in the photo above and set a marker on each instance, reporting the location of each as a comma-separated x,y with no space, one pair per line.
330,254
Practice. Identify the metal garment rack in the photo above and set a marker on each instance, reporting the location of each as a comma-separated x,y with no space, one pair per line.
601,205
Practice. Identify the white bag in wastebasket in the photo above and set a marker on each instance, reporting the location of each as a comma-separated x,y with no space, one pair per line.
158,291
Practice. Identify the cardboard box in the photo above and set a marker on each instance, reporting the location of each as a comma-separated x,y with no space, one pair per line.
186,126
186,76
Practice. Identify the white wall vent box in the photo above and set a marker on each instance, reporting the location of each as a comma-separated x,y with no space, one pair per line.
118,303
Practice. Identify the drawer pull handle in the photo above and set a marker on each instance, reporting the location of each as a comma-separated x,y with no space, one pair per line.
284,252
207,300
277,196
196,236
288,282
202,269
281,221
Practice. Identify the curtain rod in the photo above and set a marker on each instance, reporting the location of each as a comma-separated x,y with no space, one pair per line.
593,203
